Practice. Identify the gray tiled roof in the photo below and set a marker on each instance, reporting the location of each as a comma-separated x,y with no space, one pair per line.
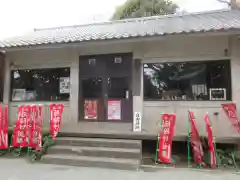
222,20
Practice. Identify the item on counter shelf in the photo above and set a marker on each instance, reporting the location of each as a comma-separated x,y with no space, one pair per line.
19,95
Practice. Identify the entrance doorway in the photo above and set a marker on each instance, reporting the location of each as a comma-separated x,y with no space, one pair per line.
106,88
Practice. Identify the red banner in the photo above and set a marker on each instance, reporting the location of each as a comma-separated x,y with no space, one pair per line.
231,112
36,127
21,129
3,127
39,127
195,140
213,160
34,118
56,111
165,141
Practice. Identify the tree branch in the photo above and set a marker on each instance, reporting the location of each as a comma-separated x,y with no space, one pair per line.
225,1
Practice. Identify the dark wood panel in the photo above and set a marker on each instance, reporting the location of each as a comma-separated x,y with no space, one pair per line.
105,67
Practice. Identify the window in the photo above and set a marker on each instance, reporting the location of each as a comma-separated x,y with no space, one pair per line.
209,80
40,84
2,72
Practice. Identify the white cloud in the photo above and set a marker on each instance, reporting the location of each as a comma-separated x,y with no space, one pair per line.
21,16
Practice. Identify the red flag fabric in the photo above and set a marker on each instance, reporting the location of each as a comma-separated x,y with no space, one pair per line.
231,112
39,127
213,160
33,133
36,127
197,148
165,141
56,111
21,129
3,127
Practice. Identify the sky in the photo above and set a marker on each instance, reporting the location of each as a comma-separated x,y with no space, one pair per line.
18,17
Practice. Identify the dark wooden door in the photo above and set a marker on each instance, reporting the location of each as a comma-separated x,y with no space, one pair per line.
105,88
119,91
91,85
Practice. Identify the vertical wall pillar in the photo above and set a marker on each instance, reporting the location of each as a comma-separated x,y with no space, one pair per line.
7,82
137,84
74,92
234,45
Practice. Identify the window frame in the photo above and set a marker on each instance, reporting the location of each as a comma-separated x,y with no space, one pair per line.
36,68
189,61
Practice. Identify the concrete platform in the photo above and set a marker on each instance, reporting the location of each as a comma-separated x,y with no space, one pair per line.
123,131
95,152
86,161
98,142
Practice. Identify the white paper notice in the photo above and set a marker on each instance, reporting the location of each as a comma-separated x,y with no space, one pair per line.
64,85
137,122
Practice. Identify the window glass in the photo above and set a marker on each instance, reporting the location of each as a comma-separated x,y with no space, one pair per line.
40,84
92,87
117,87
208,80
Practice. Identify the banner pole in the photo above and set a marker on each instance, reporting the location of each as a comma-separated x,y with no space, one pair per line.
214,143
1,129
188,142
158,137
156,154
233,154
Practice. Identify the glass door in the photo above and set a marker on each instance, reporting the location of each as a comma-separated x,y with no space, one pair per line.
92,98
104,88
119,101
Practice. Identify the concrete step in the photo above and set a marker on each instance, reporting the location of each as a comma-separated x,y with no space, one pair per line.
96,151
85,161
99,142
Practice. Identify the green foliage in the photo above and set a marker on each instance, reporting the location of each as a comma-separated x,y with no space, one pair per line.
144,8
37,155
32,154
226,158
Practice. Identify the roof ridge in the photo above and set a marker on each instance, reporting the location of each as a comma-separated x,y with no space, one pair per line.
136,19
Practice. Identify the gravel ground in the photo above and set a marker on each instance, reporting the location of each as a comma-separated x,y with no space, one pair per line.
20,169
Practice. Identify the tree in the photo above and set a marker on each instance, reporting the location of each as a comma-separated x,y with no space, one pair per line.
228,2
144,8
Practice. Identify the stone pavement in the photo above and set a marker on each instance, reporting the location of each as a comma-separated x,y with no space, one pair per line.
20,169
